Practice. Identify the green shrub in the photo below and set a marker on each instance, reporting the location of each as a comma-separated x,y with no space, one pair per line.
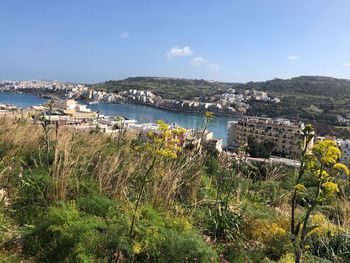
163,238
269,192
62,235
32,189
95,205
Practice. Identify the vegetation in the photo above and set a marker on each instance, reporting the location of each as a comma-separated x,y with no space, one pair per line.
322,171
260,150
168,88
72,196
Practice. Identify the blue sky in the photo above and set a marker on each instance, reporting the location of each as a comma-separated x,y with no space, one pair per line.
236,40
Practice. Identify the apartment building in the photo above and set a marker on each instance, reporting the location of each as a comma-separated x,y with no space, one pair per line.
285,134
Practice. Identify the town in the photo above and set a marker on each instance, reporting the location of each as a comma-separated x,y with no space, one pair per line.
230,103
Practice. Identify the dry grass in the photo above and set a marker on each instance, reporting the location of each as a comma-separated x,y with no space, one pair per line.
113,162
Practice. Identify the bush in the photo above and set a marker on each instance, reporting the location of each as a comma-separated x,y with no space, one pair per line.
269,192
33,195
63,235
163,238
334,247
95,205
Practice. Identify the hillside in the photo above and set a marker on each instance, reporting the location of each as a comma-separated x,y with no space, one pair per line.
73,196
169,88
188,88
311,85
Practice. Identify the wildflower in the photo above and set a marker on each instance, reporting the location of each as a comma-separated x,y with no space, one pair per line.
330,187
136,248
327,151
150,134
162,125
341,168
166,153
324,227
300,188
320,175
208,115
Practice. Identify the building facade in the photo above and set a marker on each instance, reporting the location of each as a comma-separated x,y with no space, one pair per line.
344,146
285,134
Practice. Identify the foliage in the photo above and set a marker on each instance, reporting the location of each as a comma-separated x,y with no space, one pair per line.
169,88
259,150
316,184
191,206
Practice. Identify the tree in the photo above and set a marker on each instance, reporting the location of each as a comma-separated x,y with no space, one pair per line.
316,183
260,150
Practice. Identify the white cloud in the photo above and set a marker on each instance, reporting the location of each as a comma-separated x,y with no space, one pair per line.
347,64
293,57
178,52
198,61
214,67
124,35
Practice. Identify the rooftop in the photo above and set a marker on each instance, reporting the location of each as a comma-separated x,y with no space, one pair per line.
264,120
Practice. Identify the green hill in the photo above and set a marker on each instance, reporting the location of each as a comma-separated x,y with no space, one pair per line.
169,88
177,88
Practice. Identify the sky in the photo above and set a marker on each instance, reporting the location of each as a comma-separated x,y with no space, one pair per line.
90,41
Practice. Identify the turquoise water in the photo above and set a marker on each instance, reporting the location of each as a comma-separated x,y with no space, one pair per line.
141,113
20,100
146,114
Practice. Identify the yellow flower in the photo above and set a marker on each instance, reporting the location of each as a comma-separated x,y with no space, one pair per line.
300,188
324,227
320,175
330,187
341,168
150,134
136,248
181,130
162,125
209,115
326,151
166,153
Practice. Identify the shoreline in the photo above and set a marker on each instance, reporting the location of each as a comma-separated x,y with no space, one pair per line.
57,96
163,108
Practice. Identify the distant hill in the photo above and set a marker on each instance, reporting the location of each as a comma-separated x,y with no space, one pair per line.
177,88
169,88
311,85
314,99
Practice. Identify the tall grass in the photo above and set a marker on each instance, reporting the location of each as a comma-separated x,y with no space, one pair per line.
114,162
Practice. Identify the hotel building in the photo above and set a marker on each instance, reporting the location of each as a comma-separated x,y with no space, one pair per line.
285,134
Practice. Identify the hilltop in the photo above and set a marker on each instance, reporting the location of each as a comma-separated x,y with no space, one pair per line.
169,88
312,85
179,88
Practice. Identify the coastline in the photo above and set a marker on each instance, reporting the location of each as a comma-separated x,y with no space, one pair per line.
51,95
163,108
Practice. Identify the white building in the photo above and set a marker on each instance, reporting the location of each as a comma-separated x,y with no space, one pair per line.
345,151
